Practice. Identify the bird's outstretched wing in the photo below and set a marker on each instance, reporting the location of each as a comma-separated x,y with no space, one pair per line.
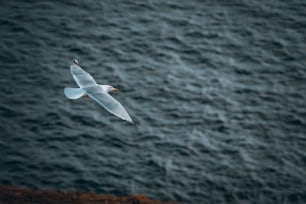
82,78
108,102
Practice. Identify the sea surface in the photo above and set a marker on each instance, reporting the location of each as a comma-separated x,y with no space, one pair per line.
218,89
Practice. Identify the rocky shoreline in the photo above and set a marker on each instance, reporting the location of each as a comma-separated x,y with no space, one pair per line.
14,195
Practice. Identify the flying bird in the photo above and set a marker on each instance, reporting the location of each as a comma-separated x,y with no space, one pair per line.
100,93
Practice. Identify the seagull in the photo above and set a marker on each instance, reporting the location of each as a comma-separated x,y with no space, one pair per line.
100,93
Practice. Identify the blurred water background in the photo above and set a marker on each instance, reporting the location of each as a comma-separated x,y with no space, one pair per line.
218,88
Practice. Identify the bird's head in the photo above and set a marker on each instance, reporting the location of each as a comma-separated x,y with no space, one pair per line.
111,89
75,61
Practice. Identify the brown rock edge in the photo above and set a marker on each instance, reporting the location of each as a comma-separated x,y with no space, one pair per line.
12,195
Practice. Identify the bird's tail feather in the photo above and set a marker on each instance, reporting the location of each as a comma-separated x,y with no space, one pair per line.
74,93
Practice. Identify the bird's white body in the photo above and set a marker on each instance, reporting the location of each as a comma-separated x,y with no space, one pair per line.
99,93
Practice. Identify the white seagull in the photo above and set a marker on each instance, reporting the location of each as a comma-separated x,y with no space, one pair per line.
99,93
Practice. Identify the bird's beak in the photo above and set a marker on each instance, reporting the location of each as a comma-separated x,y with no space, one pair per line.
116,90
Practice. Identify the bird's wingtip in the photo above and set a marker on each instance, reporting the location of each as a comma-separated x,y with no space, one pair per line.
132,122
75,61
135,124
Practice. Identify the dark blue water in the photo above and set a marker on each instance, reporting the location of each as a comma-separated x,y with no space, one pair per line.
218,88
